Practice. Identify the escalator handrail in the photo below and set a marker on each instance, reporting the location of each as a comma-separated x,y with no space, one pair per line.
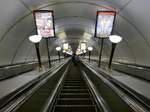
133,104
50,101
100,101
39,81
133,93
12,95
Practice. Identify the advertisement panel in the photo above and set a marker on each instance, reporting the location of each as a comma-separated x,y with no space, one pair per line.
44,21
104,23
65,46
83,46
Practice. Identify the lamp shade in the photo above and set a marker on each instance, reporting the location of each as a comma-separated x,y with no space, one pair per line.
35,38
115,38
90,48
58,48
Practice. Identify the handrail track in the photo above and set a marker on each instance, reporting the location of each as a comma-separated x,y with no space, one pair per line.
24,94
136,106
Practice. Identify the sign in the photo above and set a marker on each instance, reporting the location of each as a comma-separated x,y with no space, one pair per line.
66,46
44,21
104,23
83,46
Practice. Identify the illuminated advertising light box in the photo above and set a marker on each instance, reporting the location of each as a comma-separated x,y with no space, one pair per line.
104,23
44,21
65,46
83,46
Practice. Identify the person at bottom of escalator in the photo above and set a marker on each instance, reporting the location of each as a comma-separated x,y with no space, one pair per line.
75,59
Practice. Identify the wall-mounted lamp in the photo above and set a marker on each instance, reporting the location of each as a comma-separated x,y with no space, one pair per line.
114,39
36,39
90,50
58,49
83,48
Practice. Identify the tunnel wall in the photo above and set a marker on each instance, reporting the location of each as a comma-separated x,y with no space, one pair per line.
132,23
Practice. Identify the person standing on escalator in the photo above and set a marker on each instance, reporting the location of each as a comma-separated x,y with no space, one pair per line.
75,59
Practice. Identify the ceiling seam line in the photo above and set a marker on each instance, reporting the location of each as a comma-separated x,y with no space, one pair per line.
137,29
25,5
13,25
64,2
124,6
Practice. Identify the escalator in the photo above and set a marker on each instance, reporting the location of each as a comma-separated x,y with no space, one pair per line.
75,91
71,94
74,95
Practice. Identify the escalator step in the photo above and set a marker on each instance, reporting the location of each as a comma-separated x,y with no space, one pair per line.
71,80
74,95
74,91
74,84
74,101
74,87
74,108
74,79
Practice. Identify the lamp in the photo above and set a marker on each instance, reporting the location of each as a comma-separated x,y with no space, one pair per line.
104,27
90,50
58,49
83,48
114,39
36,39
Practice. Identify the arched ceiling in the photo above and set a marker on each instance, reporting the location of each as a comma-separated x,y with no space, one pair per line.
74,19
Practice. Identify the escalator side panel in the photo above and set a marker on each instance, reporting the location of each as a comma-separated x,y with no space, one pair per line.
115,103
36,101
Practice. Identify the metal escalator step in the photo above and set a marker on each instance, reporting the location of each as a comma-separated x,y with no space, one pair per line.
74,101
74,91
74,87
74,84
75,108
74,79
69,80
74,95
80,82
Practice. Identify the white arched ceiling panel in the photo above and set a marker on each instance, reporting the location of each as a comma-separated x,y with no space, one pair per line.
133,24
137,12
134,40
68,22
31,55
23,51
98,3
12,41
123,53
11,11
